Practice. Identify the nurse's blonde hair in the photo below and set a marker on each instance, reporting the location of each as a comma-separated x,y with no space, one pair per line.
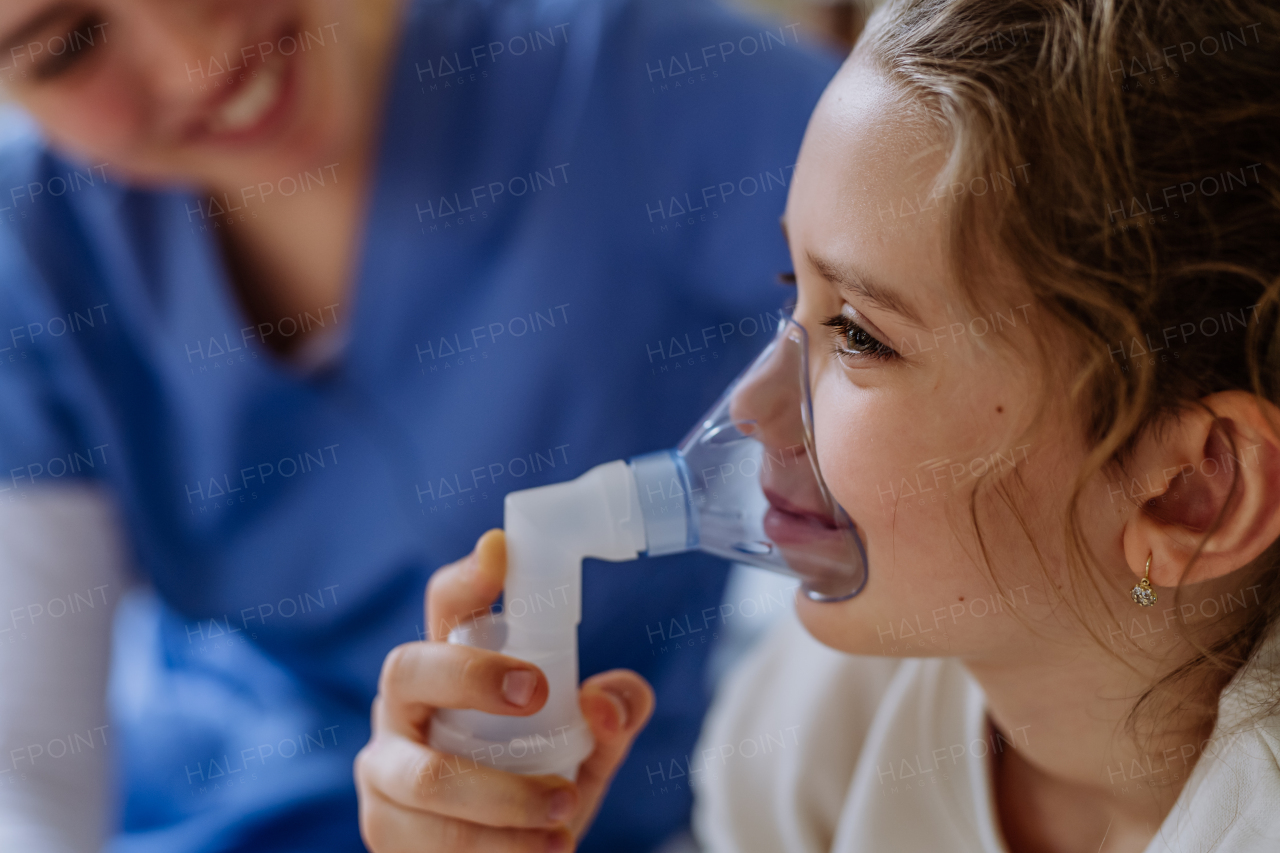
1102,106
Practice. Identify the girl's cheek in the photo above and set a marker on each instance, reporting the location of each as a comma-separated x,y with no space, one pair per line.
839,431
865,444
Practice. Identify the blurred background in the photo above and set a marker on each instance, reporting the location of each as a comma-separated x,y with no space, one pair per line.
836,22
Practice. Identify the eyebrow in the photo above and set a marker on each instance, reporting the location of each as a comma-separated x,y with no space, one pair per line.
852,281
35,24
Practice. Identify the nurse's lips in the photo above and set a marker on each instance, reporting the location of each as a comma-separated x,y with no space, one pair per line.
247,110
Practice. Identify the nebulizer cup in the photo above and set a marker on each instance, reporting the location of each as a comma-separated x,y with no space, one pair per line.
744,484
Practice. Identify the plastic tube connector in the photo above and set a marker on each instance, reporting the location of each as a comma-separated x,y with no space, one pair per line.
549,531
663,489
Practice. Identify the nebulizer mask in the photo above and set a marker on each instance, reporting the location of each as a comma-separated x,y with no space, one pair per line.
744,484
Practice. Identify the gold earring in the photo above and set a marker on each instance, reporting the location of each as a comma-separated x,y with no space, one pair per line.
1143,594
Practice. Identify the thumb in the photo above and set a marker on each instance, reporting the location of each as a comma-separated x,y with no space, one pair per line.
617,705
463,590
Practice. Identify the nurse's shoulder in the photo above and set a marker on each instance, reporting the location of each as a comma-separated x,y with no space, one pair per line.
51,208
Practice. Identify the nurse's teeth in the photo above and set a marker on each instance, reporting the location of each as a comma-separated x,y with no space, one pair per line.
252,101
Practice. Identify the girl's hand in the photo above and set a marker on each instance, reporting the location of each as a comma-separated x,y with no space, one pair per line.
415,799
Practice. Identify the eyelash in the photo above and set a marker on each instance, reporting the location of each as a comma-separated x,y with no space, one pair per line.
872,348
842,324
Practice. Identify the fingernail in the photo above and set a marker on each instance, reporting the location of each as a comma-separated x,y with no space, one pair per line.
561,806
518,686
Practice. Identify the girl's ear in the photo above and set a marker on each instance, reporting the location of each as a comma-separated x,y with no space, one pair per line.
1197,476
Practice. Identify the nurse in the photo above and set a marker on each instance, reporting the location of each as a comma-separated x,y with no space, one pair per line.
294,291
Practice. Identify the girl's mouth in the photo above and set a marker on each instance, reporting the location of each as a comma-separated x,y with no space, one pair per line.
823,553
787,523
817,517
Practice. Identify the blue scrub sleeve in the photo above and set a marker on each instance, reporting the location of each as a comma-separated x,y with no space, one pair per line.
40,443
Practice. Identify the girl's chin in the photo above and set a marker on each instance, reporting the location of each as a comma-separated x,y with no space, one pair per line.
835,624
855,627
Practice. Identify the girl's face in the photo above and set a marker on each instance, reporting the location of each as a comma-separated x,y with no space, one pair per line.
213,92
915,398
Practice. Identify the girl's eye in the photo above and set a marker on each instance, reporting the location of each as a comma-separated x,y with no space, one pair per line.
853,340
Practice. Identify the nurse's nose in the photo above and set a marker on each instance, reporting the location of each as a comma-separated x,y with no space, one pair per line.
767,402
171,39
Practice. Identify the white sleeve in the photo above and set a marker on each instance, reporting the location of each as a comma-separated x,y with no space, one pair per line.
61,574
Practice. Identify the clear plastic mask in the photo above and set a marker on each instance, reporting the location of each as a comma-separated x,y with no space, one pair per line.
745,483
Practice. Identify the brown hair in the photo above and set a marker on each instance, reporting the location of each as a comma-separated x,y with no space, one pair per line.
1150,129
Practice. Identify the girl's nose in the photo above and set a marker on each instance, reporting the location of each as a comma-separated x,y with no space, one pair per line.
767,402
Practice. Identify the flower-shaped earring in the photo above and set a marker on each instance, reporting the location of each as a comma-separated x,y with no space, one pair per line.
1143,594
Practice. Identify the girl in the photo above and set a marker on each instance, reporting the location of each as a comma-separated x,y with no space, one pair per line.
1034,251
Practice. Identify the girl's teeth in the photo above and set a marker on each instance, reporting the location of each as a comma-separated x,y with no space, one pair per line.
251,102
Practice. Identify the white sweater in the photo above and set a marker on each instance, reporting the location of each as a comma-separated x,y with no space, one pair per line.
808,749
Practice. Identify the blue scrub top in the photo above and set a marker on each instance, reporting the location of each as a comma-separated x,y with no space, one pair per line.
571,249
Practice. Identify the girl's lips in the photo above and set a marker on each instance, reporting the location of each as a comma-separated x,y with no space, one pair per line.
823,552
813,517
798,534
789,525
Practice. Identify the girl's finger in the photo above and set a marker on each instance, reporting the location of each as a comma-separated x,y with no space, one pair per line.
617,705
417,777
461,592
389,828
419,677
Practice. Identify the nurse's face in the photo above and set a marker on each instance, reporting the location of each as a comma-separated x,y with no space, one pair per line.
212,92
914,397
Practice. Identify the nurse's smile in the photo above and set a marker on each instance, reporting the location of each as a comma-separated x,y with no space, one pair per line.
221,95
249,112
